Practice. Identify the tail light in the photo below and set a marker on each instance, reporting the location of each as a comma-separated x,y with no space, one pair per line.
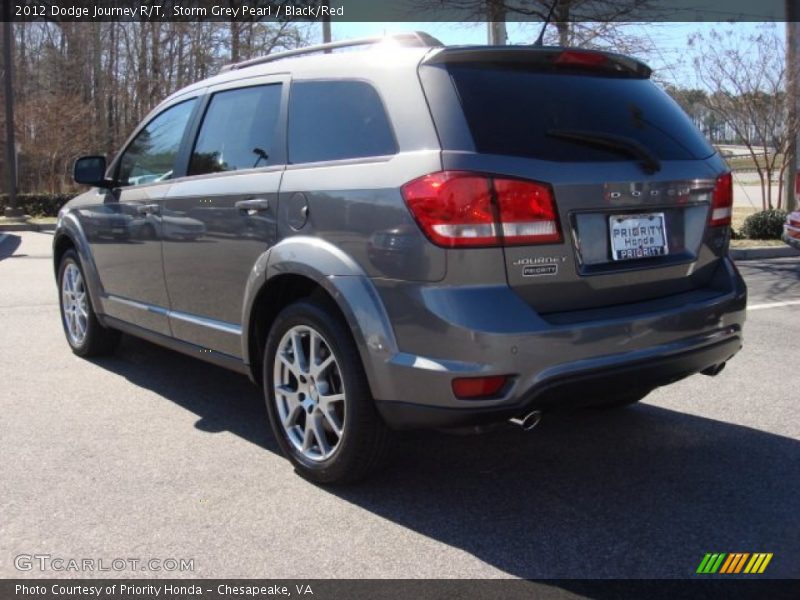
463,209
797,184
722,201
582,58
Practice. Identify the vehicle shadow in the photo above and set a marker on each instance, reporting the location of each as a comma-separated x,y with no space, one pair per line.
636,492
9,245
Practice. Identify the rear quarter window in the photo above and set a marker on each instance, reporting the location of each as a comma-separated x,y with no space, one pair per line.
510,109
335,120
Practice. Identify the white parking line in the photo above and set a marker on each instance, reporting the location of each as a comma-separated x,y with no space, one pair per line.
773,305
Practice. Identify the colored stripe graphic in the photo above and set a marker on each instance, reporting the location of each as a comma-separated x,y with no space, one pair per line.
722,563
711,563
703,563
765,563
740,564
727,564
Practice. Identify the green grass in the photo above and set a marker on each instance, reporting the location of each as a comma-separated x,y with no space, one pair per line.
745,163
755,243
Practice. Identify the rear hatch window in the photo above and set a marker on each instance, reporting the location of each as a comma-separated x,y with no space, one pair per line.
515,110
630,177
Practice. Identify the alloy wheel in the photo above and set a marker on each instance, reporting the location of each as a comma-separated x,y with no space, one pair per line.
75,304
309,393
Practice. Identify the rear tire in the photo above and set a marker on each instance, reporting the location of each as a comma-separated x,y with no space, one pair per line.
85,335
319,403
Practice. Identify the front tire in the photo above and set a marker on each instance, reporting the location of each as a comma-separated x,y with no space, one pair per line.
85,335
318,400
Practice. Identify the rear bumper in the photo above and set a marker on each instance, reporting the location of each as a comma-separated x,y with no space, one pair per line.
576,389
791,234
556,360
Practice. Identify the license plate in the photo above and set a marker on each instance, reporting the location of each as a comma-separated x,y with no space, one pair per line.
638,236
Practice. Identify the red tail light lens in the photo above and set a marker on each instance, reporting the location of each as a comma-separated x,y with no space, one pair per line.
527,212
464,209
722,201
797,184
581,58
467,388
453,208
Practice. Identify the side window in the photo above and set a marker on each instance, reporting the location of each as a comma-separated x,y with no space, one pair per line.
331,120
238,131
151,155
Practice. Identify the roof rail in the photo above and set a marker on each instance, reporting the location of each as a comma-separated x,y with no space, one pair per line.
414,39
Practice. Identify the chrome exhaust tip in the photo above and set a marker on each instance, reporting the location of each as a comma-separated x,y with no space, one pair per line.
527,421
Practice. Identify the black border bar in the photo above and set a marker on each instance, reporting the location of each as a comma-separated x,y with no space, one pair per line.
392,10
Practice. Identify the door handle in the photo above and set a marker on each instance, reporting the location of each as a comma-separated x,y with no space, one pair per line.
147,209
253,205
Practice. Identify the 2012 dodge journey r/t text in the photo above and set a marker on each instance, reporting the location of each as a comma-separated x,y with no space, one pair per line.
411,236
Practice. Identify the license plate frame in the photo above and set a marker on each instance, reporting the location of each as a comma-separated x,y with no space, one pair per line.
638,236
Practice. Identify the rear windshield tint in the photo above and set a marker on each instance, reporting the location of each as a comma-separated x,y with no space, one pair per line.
511,109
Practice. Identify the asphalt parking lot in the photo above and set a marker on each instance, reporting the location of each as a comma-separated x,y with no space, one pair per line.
151,454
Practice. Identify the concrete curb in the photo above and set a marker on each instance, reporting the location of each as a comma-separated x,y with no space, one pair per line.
23,226
762,252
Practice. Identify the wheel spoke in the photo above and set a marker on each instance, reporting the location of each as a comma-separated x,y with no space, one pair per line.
321,367
289,365
319,434
314,342
291,415
329,399
81,321
299,355
332,419
308,436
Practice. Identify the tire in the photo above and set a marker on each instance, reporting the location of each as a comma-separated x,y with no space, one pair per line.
84,333
328,441
620,400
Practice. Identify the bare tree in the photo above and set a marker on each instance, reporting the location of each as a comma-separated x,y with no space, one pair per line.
746,80
100,79
586,23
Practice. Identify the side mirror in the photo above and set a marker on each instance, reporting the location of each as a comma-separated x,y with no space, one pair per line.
91,170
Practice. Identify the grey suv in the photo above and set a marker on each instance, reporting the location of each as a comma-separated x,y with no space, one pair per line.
411,236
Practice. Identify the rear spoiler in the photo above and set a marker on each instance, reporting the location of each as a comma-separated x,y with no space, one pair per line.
546,57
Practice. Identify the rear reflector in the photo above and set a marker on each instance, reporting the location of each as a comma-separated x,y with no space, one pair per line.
465,209
467,388
722,201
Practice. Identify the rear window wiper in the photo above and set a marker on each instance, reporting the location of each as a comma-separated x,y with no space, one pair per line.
620,143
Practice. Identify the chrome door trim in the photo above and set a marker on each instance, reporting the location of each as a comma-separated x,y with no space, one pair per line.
222,326
205,322
140,305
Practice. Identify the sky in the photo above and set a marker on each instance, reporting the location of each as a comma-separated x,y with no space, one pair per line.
669,61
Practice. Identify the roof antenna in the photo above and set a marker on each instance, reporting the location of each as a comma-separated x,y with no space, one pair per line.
540,40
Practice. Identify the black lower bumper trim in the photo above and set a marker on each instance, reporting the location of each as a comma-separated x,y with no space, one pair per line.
578,389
